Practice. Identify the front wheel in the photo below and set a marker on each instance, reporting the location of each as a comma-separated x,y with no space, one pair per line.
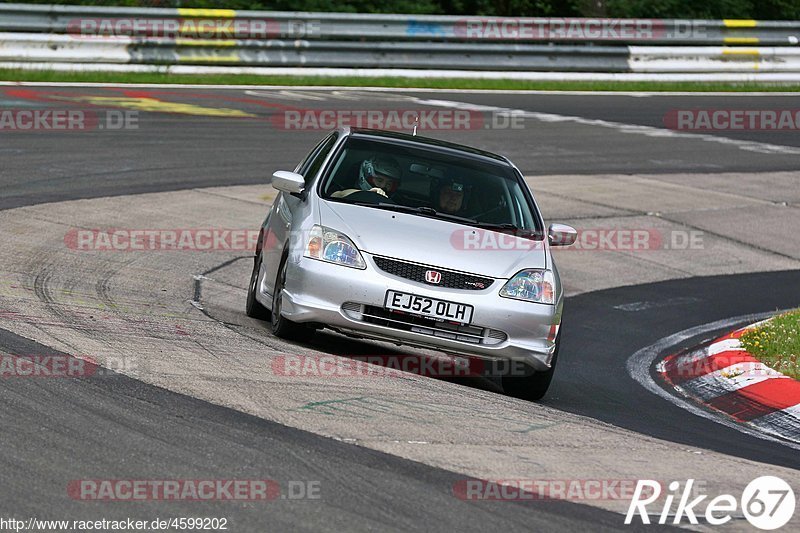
281,326
532,387
253,308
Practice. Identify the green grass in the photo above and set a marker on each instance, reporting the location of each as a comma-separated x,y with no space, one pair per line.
777,343
231,79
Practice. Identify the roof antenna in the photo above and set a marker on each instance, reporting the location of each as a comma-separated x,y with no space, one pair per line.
416,123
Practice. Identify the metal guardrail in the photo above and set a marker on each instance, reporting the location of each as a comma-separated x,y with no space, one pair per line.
460,56
64,48
89,34
348,26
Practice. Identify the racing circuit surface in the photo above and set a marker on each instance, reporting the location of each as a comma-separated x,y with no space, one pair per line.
195,392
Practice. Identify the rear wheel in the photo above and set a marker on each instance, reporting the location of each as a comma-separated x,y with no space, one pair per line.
534,386
281,326
253,308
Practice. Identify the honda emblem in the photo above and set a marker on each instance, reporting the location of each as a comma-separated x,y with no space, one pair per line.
431,276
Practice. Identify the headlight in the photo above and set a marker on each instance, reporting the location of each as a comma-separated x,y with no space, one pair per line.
329,245
532,286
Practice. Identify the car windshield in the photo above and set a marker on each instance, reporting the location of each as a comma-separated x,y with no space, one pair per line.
429,182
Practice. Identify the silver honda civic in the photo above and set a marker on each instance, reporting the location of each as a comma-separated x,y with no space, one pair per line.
417,241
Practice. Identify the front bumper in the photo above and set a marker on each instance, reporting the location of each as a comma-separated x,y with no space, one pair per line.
315,291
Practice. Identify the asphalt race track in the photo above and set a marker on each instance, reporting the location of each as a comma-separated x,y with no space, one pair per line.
63,428
607,331
237,156
201,402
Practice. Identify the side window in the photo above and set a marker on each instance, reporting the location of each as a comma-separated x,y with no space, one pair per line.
311,165
309,156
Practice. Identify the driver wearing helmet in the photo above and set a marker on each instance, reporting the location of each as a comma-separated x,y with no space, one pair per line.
379,174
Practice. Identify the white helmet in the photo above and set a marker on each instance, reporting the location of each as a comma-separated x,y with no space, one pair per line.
382,166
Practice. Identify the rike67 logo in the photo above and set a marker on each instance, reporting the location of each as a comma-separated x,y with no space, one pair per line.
768,503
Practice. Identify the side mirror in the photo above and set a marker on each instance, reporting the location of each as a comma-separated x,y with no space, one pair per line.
289,182
561,235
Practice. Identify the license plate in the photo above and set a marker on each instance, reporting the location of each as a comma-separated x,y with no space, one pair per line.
428,307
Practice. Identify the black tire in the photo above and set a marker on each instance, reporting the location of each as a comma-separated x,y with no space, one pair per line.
281,326
253,308
532,387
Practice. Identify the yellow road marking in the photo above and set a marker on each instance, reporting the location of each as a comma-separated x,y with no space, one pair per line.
741,51
205,42
157,106
741,40
193,12
739,23
207,58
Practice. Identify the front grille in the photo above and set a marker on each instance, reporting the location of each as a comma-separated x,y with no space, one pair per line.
427,326
416,272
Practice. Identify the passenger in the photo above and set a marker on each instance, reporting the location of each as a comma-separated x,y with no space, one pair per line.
451,195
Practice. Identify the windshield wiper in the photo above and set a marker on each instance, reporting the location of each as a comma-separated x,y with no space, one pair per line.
433,213
496,225
429,211
422,210
513,229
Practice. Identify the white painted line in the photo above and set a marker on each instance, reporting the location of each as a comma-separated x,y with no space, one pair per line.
688,359
794,410
637,94
713,77
788,420
649,131
724,346
287,95
752,146
729,379
638,367
655,304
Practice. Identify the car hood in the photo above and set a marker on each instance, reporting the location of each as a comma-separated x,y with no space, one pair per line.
431,241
